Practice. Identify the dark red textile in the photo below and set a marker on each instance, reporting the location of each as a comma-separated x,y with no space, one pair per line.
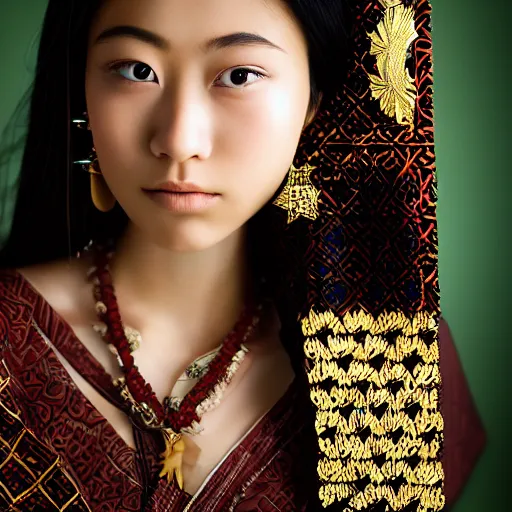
57,452
464,433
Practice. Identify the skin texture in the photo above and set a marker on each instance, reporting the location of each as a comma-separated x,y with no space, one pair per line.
195,125
181,279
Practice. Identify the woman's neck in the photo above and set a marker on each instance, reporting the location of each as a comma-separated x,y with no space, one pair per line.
196,297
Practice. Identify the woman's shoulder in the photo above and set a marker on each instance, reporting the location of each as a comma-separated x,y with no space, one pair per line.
47,277
22,290
12,289
15,306
55,280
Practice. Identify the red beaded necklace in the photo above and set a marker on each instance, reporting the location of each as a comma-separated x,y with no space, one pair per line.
144,406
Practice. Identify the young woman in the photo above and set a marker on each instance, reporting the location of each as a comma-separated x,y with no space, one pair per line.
221,314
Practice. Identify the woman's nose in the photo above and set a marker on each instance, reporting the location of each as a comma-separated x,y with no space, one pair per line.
183,128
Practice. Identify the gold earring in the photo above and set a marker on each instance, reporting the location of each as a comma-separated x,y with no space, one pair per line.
101,195
299,196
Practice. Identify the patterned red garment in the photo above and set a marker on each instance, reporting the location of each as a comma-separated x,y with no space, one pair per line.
58,453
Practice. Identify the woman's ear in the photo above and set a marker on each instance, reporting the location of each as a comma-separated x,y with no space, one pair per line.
312,111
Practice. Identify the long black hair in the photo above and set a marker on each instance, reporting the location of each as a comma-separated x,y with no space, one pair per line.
54,216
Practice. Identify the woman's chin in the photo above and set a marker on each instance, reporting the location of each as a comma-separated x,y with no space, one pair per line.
189,240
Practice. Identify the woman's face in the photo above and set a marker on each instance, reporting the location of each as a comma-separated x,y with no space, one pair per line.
168,105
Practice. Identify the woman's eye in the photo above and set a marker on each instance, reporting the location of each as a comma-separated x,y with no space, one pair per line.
135,71
239,76
139,72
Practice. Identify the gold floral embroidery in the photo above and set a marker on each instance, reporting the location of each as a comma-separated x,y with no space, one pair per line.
393,86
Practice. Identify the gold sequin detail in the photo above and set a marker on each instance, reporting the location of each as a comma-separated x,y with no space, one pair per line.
391,430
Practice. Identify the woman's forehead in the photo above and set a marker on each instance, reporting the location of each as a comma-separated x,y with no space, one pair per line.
186,23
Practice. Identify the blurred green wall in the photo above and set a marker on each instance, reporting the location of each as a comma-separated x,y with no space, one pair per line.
20,22
472,112
472,120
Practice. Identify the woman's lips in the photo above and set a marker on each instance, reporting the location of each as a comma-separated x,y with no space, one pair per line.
182,202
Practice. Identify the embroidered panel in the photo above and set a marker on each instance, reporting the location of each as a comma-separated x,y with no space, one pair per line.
375,386
368,264
31,475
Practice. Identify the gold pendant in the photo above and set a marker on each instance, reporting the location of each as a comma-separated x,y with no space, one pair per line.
172,460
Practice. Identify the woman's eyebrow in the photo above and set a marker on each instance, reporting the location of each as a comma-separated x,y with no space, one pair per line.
216,43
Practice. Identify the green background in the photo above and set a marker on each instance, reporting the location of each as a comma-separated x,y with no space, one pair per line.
472,105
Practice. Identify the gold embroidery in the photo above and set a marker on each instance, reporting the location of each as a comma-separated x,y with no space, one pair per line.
31,475
390,3
299,196
5,376
394,87
344,410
